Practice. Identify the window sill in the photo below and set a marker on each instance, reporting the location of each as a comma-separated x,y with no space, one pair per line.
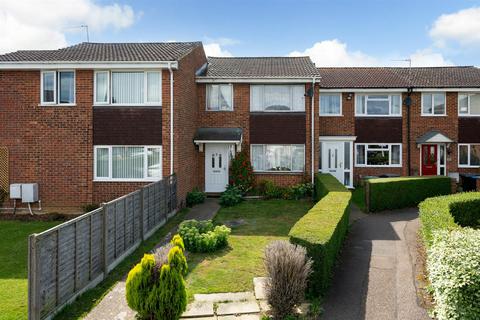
469,115
330,115
126,180
365,166
434,115
219,110
278,172
127,105
377,116
461,166
58,105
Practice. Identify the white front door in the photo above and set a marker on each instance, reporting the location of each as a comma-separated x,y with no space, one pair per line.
217,160
332,159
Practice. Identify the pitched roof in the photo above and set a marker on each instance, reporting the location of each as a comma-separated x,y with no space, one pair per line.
106,52
259,67
384,77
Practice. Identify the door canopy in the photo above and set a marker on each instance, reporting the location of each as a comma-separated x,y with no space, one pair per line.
432,137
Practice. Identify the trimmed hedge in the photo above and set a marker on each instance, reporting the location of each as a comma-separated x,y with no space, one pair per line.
322,230
404,192
449,213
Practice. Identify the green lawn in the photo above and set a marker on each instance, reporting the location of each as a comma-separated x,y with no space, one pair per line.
233,268
13,266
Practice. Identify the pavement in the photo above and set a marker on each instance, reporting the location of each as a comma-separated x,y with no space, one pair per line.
375,276
114,305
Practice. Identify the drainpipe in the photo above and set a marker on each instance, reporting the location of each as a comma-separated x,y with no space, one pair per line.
312,120
408,103
171,117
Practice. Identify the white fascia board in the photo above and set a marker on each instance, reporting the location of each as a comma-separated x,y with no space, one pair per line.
254,80
446,89
87,65
337,138
360,90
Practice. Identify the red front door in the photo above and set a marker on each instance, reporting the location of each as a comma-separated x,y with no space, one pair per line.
429,159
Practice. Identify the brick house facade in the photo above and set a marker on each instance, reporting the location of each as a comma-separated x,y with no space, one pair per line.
63,148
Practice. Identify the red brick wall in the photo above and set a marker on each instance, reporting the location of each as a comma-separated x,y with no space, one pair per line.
283,180
48,145
339,126
107,191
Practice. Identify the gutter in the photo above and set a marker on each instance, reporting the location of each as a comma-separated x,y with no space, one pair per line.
171,118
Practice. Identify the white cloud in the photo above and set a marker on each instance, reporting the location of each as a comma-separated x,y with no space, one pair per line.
216,50
33,24
462,27
334,53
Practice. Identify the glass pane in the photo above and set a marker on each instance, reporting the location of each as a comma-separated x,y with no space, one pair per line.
427,103
220,160
396,104
475,155
277,98
395,154
439,103
377,97
463,103
48,87
360,154
153,87
213,160
346,180
442,154
212,97
258,158
127,162
127,87
101,91
330,104
463,155
346,152
225,97
66,86
298,158
378,107
102,163
278,158
298,98
475,104
256,97
154,168
360,104
377,158
320,155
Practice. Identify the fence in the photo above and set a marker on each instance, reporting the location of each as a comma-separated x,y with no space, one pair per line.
75,256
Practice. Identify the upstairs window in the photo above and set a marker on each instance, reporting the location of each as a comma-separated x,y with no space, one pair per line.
469,104
330,104
128,88
378,105
433,104
57,87
378,155
219,97
277,98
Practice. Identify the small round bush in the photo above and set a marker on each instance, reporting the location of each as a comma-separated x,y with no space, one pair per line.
203,236
155,287
231,197
195,197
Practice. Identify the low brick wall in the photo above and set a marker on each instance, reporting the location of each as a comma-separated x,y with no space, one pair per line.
283,180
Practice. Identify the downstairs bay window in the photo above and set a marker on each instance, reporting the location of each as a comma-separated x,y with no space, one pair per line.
469,155
278,158
128,163
378,155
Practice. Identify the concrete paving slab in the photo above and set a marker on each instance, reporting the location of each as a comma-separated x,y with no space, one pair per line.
198,309
259,287
225,297
264,306
237,308
240,317
382,262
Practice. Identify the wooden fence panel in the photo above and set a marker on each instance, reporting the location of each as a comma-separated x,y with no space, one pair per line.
76,255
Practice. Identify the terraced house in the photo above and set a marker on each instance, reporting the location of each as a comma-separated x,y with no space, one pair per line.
94,121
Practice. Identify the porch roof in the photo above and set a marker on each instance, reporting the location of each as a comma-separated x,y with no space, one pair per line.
205,135
433,136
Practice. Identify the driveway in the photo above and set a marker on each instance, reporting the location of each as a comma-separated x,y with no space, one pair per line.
375,278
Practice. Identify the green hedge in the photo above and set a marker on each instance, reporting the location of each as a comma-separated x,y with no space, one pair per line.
322,230
404,192
449,213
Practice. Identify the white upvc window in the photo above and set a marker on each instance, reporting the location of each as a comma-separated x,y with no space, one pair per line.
277,98
277,157
378,155
378,105
57,87
434,104
219,97
469,104
469,155
128,88
127,163
330,104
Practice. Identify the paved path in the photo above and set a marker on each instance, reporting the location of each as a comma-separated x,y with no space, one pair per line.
375,278
114,305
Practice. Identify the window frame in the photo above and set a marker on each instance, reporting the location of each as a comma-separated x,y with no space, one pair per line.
145,178
444,114
291,158
390,104
390,165
56,92
468,114
110,88
290,85
468,145
340,114
207,95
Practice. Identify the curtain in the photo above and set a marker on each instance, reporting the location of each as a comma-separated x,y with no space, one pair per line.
127,162
330,104
395,154
154,169
475,104
258,158
396,104
225,97
256,97
101,90
153,87
102,163
66,87
277,97
127,87
298,158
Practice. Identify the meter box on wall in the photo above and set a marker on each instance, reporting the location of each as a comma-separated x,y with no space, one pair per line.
29,192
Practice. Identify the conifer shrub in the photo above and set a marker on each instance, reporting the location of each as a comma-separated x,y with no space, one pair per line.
241,172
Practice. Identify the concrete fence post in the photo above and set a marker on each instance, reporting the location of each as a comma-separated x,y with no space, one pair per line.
33,290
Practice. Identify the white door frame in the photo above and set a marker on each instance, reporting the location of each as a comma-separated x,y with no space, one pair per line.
341,140
224,166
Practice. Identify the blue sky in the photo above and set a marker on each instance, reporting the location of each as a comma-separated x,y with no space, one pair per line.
346,32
